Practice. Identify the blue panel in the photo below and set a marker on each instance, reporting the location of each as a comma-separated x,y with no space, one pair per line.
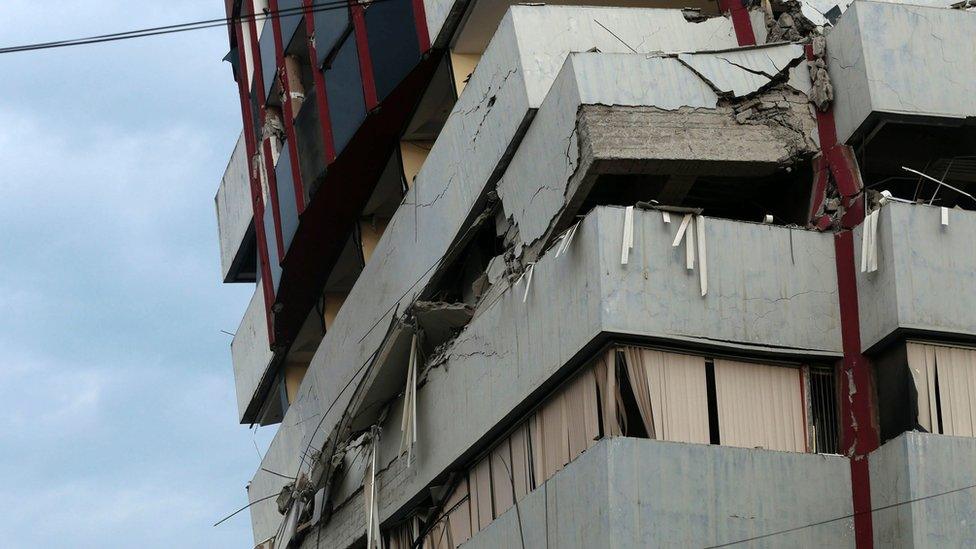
290,18
393,45
344,89
330,24
269,62
287,207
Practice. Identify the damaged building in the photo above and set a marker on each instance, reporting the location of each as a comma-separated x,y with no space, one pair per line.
630,274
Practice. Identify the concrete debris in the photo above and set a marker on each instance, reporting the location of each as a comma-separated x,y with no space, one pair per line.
693,15
787,21
822,92
440,321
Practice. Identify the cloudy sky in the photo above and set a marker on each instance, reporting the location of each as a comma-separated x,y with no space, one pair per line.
119,418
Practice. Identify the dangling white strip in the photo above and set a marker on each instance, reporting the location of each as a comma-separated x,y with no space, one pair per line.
628,235
681,230
865,242
945,216
528,280
408,423
567,239
369,491
666,216
690,247
872,229
702,262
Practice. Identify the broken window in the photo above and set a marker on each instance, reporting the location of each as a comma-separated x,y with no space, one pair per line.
638,391
945,380
941,152
783,194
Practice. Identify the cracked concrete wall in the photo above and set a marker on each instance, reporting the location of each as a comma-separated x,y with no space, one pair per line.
471,149
627,492
919,466
250,350
234,210
687,125
926,273
767,285
901,59
511,348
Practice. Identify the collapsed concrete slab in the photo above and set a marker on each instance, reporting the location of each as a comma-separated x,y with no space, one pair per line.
449,193
514,350
734,113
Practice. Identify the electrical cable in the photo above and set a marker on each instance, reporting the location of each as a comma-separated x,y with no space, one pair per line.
315,7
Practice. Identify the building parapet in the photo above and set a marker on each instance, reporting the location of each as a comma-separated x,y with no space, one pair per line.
924,275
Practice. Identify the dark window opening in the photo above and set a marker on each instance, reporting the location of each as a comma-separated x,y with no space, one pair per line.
825,420
713,426
784,194
943,152
466,279
632,425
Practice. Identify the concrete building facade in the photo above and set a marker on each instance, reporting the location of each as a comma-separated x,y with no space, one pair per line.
628,274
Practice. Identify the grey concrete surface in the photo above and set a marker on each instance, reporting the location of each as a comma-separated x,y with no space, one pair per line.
926,274
923,487
901,59
234,211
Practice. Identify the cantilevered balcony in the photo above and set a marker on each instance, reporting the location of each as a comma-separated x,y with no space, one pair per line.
238,254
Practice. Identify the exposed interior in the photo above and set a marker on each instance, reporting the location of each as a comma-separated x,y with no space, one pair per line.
783,194
941,151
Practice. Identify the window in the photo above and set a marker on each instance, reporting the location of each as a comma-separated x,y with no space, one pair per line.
945,379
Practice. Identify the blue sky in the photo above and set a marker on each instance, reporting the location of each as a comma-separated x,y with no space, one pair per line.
119,418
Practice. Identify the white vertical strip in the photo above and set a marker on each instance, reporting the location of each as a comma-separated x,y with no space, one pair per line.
528,281
628,242
666,216
945,216
690,247
873,252
865,242
702,262
681,230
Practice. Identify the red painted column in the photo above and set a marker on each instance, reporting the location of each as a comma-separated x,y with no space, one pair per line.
257,200
420,20
321,98
266,143
859,432
365,61
740,21
286,107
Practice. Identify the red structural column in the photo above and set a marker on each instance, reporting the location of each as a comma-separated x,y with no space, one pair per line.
286,107
266,143
257,199
420,20
740,21
859,433
321,99
365,61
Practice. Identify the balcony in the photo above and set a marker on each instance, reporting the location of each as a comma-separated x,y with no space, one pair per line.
513,351
921,485
925,275
892,62
238,252
250,352
627,492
